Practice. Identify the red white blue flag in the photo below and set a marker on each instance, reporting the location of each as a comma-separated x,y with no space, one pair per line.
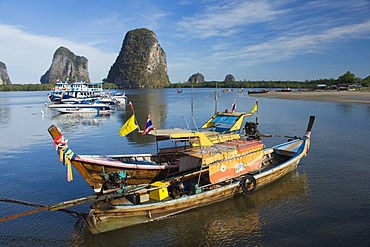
148,126
233,106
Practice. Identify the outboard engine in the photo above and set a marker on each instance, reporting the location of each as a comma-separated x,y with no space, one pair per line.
251,130
114,180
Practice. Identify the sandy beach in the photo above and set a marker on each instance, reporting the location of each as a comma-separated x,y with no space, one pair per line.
334,96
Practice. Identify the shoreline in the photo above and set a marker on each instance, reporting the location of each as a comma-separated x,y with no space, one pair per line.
330,96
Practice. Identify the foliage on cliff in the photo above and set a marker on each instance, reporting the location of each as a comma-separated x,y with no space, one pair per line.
229,78
196,78
66,66
141,62
4,76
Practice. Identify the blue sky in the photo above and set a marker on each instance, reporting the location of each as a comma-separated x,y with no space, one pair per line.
252,40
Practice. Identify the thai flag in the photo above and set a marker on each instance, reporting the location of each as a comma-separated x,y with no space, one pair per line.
233,106
148,126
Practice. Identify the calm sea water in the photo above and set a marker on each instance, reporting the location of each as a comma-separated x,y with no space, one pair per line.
326,202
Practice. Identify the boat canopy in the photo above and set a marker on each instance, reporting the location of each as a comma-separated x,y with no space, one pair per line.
226,121
224,126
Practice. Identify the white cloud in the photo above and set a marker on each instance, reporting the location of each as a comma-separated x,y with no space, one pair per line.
255,32
28,56
287,46
211,32
227,19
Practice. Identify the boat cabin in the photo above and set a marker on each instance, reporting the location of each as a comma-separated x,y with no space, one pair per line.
221,127
96,88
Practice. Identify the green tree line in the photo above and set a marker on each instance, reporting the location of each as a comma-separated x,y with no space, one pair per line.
42,87
347,78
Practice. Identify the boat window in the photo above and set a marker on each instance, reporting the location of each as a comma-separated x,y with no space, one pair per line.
224,123
225,119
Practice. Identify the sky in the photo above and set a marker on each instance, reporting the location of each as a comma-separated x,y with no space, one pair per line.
252,40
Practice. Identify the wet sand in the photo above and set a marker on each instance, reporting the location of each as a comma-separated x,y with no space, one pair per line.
334,96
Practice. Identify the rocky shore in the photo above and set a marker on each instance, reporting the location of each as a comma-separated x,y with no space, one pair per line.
334,96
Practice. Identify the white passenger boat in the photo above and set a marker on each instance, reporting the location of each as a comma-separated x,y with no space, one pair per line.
95,107
120,98
59,89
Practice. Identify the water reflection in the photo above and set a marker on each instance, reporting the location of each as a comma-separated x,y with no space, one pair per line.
5,115
345,108
242,216
5,110
233,221
293,185
154,103
69,121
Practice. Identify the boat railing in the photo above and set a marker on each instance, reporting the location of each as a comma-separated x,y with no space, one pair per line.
172,149
187,123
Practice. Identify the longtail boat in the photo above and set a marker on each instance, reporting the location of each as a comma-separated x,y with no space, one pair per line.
219,137
211,183
258,91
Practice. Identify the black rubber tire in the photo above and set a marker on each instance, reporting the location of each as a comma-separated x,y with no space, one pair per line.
246,182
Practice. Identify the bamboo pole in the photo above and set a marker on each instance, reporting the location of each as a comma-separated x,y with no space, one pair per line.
55,207
63,205
37,205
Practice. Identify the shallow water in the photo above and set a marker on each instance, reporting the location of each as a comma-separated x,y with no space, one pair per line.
324,203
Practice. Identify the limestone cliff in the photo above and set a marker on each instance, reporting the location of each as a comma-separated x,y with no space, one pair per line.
196,78
4,77
66,66
229,78
141,62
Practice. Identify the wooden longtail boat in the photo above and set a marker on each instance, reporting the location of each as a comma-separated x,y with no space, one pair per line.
258,91
288,89
192,190
105,173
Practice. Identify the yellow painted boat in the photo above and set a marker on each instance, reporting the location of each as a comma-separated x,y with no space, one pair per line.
195,189
219,136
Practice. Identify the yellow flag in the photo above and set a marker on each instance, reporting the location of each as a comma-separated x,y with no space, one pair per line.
255,107
128,127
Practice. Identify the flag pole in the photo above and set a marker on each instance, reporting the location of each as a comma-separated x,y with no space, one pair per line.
133,112
192,107
192,101
216,98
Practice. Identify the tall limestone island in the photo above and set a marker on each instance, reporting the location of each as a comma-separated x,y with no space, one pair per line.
196,78
141,62
66,66
4,77
229,78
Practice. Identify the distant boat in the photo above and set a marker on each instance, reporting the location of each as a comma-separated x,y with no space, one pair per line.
80,90
57,92
258,91
288,89
226,90
83,107
120,98
96,88
179,91
104,100
108,100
